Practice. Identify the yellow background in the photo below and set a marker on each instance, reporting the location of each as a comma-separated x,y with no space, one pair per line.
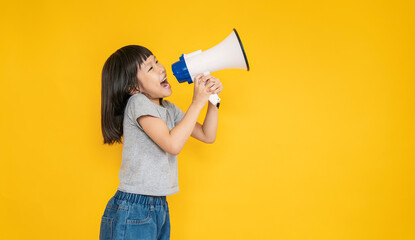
316,141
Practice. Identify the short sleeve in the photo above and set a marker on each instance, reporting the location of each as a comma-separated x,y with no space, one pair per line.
178,113
140,106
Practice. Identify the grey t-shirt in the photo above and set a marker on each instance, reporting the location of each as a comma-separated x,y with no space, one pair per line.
146,168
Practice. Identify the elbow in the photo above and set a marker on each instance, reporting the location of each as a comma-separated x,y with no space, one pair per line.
175,150
174,153
210,141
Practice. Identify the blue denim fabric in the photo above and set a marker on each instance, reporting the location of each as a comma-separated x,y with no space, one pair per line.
134,216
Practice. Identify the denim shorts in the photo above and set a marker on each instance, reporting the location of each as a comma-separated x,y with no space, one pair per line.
134,216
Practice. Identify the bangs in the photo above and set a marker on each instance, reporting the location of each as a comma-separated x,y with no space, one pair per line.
135,54
143,57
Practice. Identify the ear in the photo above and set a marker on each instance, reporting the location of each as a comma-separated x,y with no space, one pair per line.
132,91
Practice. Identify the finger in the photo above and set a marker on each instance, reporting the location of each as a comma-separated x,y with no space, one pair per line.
214,86
218,90
204,81
200,75
207,77
212,91
210,86
213,80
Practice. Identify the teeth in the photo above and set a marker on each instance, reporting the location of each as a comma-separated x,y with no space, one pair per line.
163,79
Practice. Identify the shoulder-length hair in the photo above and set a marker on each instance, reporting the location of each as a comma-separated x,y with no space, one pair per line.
119,78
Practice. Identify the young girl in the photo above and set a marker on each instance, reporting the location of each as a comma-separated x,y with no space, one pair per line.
154,132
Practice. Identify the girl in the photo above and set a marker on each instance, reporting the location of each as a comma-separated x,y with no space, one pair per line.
154,132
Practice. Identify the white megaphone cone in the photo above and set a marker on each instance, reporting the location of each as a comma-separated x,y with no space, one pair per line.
229,54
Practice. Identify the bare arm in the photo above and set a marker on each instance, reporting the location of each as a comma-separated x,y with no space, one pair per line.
207,132
173,141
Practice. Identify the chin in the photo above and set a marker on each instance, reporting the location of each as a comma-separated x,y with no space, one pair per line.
171,92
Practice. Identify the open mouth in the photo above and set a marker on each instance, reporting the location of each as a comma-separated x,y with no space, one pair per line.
164,83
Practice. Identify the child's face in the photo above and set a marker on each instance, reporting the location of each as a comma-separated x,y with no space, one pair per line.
150,76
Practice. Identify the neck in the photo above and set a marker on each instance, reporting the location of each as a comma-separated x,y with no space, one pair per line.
157,101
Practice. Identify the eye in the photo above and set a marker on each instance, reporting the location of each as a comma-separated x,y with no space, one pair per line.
157,61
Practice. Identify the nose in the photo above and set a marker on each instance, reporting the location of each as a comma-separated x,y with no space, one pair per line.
162,69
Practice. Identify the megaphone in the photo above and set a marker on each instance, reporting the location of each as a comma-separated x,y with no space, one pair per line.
228,54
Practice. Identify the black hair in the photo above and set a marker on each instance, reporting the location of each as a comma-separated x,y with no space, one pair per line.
119,78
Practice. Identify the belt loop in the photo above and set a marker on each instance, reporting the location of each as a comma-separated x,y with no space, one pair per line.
151,204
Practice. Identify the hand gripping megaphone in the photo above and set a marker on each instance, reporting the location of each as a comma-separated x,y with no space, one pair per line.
228,54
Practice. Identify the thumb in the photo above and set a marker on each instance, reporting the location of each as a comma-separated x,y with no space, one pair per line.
197,79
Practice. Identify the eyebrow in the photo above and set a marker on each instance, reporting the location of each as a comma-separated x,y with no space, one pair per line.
154,59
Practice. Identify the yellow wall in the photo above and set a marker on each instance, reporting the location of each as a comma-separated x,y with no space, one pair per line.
316,141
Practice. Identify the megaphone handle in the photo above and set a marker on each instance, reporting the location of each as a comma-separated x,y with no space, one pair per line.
214,99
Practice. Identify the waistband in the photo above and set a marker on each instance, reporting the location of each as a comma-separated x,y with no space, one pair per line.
141,199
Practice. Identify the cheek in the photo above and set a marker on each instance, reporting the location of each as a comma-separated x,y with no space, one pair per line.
150,82
154,78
